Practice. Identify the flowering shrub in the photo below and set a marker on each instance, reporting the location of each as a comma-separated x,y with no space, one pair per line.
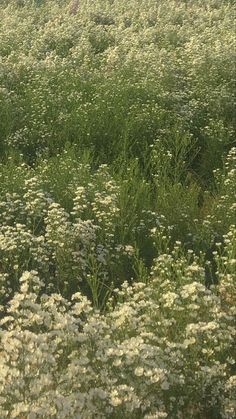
165,350
116,76
71,250
117,209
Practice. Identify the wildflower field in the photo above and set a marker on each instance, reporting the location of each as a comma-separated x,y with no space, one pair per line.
117,209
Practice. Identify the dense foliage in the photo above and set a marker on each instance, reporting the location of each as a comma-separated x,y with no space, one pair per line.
117,209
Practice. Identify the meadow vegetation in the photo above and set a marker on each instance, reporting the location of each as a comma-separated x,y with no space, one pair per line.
117,209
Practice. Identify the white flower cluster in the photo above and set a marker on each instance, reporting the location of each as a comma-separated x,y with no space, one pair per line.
165,350
145,86
216,220
78,249
53,52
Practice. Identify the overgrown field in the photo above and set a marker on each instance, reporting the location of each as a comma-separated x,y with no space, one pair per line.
117,209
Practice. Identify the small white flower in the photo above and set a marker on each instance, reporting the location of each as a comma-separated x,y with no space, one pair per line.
139,371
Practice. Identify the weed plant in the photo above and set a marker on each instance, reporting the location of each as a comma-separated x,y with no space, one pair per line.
117,209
